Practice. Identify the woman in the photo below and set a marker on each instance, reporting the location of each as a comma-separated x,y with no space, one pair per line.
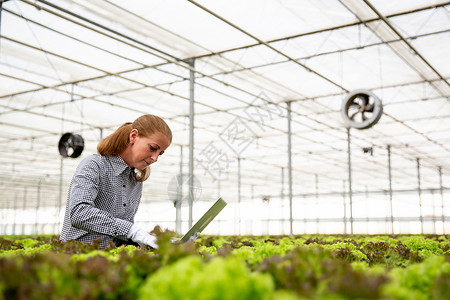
106,188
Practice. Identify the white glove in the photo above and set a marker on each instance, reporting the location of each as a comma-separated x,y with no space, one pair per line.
142,237
175,240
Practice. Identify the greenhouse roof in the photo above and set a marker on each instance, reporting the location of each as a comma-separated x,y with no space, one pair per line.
89,66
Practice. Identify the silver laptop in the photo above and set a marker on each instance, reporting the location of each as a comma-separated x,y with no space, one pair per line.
201,224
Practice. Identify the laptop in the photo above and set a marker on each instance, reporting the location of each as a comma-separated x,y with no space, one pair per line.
201,224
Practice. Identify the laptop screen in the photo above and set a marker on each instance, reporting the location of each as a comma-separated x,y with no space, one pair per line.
201,224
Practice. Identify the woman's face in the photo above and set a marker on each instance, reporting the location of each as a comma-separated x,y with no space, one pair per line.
143,151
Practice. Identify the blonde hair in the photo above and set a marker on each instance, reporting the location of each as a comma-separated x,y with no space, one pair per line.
118,141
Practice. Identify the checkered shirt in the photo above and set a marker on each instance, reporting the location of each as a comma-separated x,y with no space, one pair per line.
102,201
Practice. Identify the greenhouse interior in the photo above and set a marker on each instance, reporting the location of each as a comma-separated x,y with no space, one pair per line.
328,117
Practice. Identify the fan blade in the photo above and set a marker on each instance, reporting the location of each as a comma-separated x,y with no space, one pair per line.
70,143
364,100
369,108
354,106
354,103
354,115
363,117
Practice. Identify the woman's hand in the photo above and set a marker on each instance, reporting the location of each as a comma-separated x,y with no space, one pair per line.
143,238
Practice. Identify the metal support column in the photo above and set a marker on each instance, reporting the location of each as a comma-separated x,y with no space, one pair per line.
317,201
24,208
252,196
434,211
239,195
60,197
350,192
390,188
282,200
419,190
3,220
180,195
291,231
38,203
366,193
441,188
191,139
15,213
218,187
218,193
345,207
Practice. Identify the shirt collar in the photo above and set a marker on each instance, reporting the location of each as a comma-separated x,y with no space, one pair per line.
118,165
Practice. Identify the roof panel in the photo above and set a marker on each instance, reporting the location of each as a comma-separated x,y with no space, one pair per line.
388,7
436,56
192,28
423,22
266,20
298,79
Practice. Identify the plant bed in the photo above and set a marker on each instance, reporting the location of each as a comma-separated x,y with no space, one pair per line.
229,267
